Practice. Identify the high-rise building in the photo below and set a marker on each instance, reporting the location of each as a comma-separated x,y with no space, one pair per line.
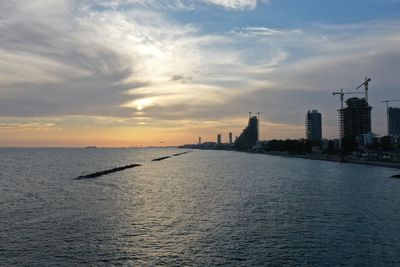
394,121
249,137
313,126
199,140
355,119
219,139
230,138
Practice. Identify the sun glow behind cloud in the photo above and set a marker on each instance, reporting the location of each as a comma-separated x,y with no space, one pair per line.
139,104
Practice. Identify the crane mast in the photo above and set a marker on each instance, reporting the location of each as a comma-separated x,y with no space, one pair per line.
365,84
342,93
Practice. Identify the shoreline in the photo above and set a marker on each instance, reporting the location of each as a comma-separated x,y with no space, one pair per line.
351,161
383,164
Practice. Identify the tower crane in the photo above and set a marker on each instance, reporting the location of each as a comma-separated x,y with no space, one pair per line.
387,112
365,84
387,103
342,93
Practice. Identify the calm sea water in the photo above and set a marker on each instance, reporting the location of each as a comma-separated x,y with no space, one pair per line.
202,208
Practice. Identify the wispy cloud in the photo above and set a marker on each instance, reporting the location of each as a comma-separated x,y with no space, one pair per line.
30,126
262,31
235,4
183,5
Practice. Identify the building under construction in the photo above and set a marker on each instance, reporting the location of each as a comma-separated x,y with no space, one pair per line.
355,119
249,137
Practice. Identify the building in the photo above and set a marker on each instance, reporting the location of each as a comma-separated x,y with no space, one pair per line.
355,119
200,140
230,138
366,139
313,126
219,139
249,137
394,121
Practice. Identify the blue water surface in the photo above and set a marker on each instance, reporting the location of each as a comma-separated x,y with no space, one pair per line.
204,208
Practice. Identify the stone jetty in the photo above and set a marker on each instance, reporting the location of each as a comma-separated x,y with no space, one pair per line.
101,173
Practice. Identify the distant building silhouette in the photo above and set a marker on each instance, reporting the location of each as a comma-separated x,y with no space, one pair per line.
249,137
199,140
313,126
355,119
219,139
394,121
230,138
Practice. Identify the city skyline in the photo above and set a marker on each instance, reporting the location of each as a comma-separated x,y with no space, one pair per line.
132,72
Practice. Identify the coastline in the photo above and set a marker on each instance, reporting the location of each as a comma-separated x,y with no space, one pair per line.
321,157
336,159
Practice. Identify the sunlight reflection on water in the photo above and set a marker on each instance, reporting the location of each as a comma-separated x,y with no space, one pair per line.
202,208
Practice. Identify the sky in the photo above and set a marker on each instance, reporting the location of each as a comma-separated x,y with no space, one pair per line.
124,73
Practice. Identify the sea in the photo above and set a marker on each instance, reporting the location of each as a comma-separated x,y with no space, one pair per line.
203,208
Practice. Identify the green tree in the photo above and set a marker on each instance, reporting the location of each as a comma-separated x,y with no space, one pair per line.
349,144
386,143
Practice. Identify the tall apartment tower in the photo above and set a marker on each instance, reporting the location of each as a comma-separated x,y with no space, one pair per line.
313,126
249,137
230,138
199,140
355,119
394,121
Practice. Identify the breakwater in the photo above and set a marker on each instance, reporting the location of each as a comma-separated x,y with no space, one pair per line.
118,169
101,173
179,154
160,159
167,157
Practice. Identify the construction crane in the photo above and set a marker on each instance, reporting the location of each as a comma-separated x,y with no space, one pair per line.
365,84
257,114
387,103
342,93
387,112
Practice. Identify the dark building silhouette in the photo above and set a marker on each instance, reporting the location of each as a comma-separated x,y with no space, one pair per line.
219,139
249,137
230,138
355,119
313,126
394,121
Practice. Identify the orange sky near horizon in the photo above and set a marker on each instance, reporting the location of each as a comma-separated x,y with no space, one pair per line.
53,135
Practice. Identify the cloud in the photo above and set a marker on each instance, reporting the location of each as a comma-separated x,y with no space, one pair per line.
323,59
182,5
84,63
235,4
30,126
262,31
